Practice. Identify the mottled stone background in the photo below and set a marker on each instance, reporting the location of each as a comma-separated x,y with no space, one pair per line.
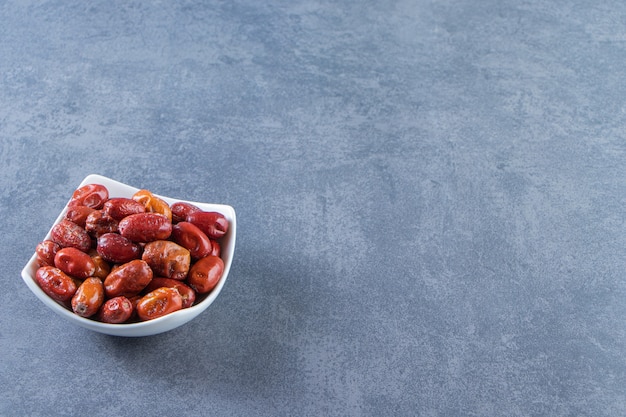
430,196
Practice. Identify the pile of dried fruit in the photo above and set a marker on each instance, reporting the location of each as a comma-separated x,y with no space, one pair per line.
120,260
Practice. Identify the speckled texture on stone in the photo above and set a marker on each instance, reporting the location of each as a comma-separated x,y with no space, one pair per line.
430,199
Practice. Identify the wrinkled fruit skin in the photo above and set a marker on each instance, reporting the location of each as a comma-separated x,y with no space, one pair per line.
216,248
121,260
102,267
75,263
167,259
121,207
192,238
57,284
88,297
181,209
158,303
115,248
116,310
69,234
90,195
78,214
153,204
46,251
99,223
212,223
205,274
127,279
188,294
145,227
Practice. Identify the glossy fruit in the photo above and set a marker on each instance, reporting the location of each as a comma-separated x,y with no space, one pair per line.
78,214
90,195
69,234
158,303
120,207
120,260
127,279
205,274
88,297
192,238
115,310
99,223
56,283
153,204
102,267
115,248
167,259
46,251
145,227
75,263
134,300
188,294
212,223
181,209
216,248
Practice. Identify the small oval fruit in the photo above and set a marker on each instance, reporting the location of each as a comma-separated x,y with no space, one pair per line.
90,195
213,224
167,259
205,274
181,209
216,248
78,214
188,294
158,303
102,267
115,248
192,238
152,203
88,297
145,227
75,263
127,279
56,283
115,310
99,223
120,207
69,234
46,252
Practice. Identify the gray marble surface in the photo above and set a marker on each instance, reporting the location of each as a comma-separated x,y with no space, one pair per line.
430,196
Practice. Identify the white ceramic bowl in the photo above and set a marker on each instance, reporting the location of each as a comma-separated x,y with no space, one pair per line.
151,327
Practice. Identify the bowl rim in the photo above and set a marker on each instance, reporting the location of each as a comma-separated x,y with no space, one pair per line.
143,328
